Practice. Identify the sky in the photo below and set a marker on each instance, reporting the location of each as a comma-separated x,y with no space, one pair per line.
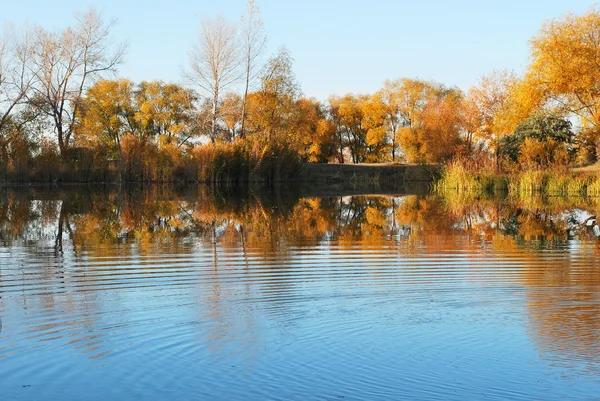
338,46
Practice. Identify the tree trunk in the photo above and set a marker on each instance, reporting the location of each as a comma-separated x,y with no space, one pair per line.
213,136
244,100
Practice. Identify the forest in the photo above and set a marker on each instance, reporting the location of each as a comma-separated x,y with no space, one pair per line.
239,116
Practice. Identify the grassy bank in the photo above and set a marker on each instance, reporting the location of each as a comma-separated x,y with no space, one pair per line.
458,179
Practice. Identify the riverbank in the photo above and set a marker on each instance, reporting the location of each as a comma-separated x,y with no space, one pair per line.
366,178
350,178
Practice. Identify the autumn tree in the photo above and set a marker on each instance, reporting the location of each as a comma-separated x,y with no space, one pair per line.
323,146
395,116
271,109
66,63
165,111
233,110
434,113
488,106
312,131
375,116
440,127
540,141
107,113
214,63
347,114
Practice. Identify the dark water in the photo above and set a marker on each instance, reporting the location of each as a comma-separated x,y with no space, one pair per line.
160,294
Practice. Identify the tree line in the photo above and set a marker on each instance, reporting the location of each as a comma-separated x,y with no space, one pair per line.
239,115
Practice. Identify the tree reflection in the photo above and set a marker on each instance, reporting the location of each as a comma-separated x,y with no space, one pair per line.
236,229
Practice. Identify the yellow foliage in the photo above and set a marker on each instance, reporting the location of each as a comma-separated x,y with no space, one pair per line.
565,64
541,154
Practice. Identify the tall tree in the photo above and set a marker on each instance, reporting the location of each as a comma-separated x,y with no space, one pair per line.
214,62
66,63
254,42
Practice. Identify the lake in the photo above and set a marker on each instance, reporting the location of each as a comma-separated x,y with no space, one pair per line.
160,293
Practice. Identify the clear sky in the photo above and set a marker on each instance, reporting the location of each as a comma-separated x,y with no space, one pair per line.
338,46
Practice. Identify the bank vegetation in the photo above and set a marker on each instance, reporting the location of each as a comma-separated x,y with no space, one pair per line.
240,116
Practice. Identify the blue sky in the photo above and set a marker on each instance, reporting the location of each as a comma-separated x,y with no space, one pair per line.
338,46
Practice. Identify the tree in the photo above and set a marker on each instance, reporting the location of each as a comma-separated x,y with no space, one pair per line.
165,110
107,113
347,114
435,124
271,109
214,63
66,63
564,65
232,115
391,96
551,133
375,116
17,77
488,105
254,41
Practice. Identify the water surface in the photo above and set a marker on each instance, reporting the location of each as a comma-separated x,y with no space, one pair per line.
160,294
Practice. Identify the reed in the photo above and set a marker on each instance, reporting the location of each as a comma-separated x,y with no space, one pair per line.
457,177
528,183
578,186
593,188
244,162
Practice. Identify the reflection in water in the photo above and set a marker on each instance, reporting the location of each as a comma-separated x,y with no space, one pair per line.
370,296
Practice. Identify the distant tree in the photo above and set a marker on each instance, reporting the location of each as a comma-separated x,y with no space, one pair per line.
375,116
391,96
436,123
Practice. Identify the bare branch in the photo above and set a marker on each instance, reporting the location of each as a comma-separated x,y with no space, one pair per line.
69,61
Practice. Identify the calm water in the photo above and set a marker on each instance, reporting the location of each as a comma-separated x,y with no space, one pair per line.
160,295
